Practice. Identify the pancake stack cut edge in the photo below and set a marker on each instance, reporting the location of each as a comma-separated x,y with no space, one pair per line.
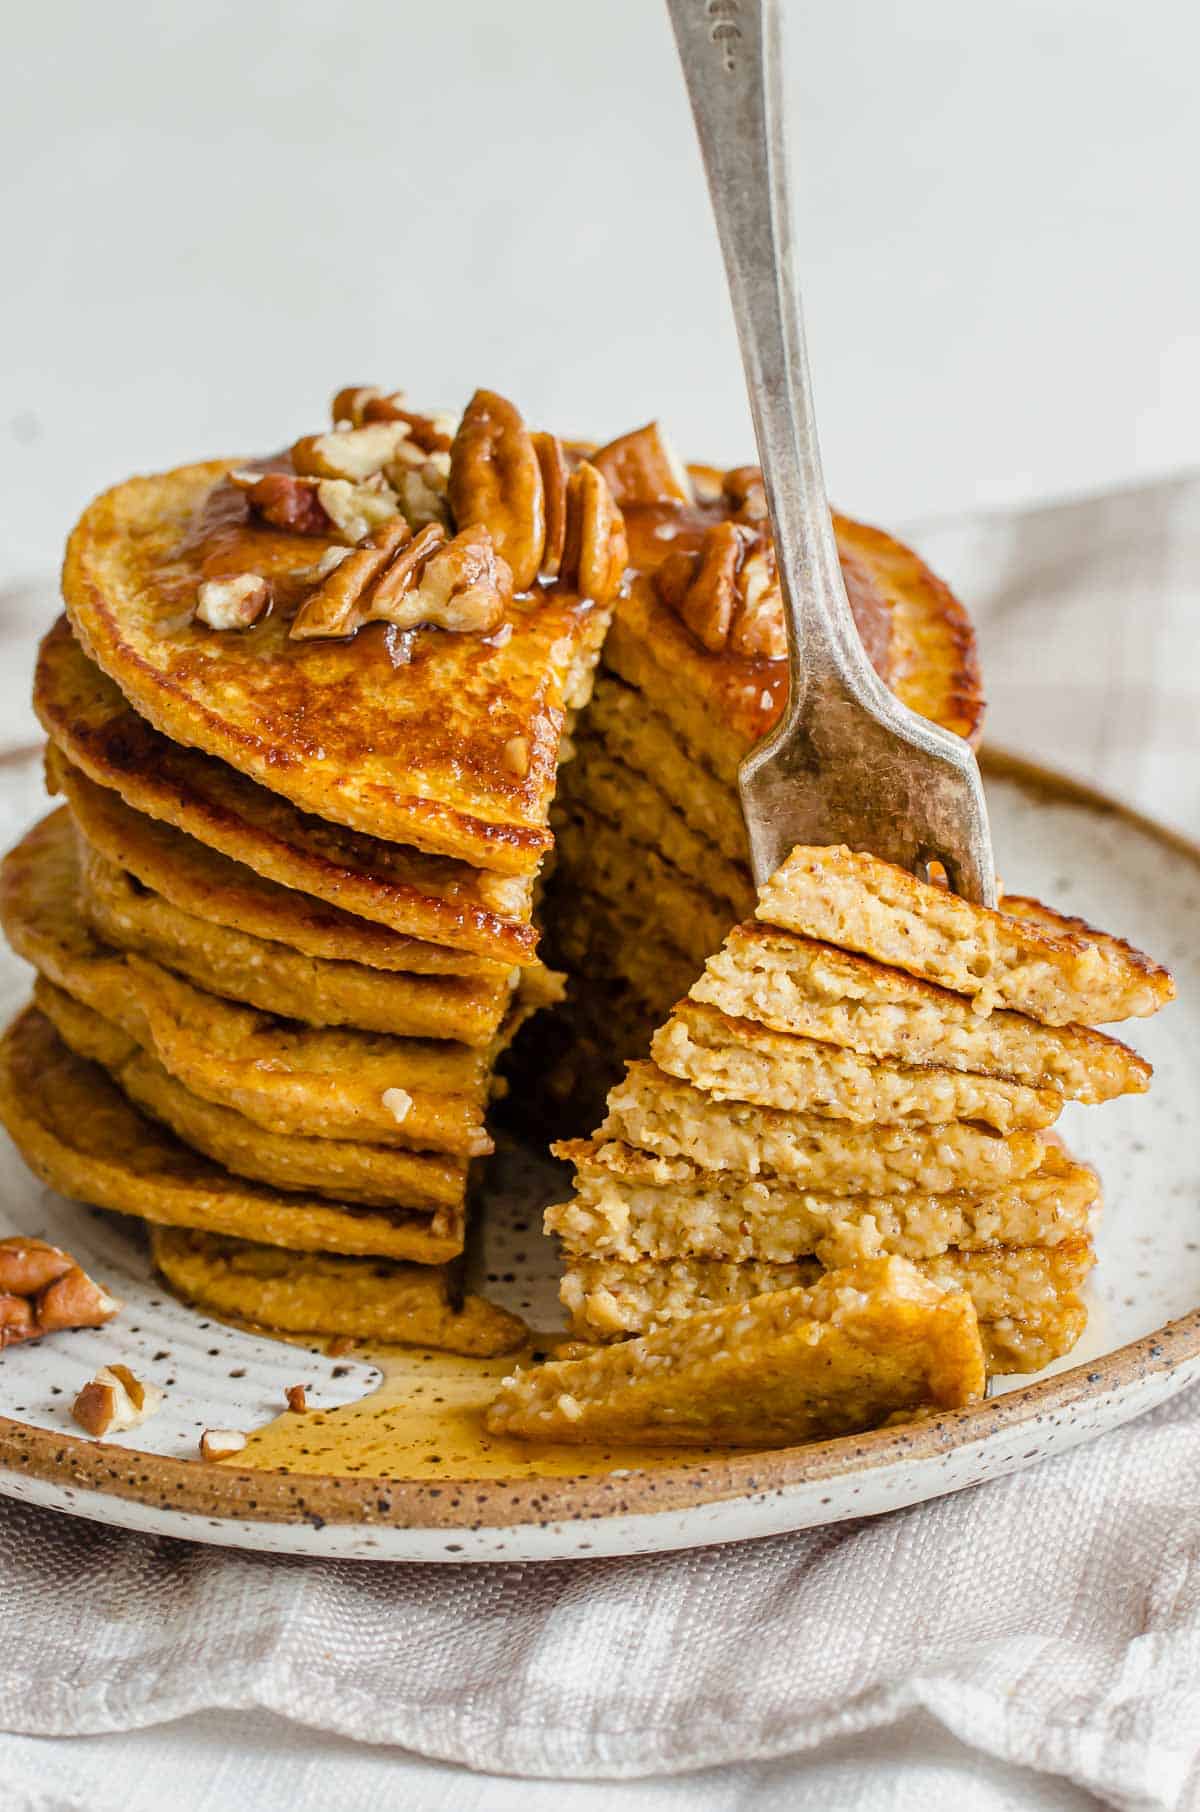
860,1088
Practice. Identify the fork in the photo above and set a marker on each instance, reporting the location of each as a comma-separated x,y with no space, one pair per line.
846,762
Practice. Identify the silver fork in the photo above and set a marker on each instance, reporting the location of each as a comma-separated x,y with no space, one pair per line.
847,762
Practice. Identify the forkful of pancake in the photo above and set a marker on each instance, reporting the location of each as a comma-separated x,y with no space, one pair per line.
831,1198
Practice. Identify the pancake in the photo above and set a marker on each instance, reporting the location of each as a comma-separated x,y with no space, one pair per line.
629,1205
601,783
317,990
80,1134
794,984
1026,957
199,880
422,896
348,1170
642,885
655,1111
632,731
318,1293
720,705
1028,1296
857,1347
737,1060
411,750
329,1083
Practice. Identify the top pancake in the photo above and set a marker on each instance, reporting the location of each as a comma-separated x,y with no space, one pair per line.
915,631
415,751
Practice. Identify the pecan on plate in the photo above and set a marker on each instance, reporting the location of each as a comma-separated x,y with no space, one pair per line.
43,1290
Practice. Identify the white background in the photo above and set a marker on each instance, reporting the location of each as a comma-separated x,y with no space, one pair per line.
213,214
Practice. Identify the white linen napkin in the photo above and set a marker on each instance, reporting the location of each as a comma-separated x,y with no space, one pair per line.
1048,1622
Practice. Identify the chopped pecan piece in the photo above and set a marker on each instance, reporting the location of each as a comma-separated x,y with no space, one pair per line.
355,509
496,483
43,1290
297,1399
643,467
553,463
285,501
233,602
727,593
335,607
349,405
353,453
219,1443
745,493
595,552
115,1400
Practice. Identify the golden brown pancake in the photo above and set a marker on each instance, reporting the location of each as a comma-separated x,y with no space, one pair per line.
317,1082
318,1293
1027,1300
407,743
422,896
81,1135
322,992
798,1365
199,880
720,705
737,1060
630,1205
799,985
1025,957
347,1170
661,1114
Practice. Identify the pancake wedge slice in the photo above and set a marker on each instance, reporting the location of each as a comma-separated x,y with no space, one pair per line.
82,1136
422,896
415,750
632,1206
321,1293
799,985
858,1347
675,1120
737,1060
1027,1300
1032,959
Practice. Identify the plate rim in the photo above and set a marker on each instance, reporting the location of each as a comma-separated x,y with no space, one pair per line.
250,1495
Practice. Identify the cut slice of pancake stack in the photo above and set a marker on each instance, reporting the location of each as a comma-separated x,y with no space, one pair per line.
869,1067
282,926
652,866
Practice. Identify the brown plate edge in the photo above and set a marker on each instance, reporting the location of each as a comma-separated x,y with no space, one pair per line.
195,1487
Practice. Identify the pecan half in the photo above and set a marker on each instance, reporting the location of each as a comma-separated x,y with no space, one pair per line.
643,467
727,592
496,483
553,463
595,551
335,607
43,1290
463,586
232,602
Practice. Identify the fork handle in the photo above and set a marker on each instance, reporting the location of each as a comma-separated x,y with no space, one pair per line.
731,56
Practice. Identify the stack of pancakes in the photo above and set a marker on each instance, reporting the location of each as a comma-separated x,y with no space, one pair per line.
652,863
868,1067
283,923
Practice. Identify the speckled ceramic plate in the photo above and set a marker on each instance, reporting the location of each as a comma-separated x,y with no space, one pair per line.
392,1464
